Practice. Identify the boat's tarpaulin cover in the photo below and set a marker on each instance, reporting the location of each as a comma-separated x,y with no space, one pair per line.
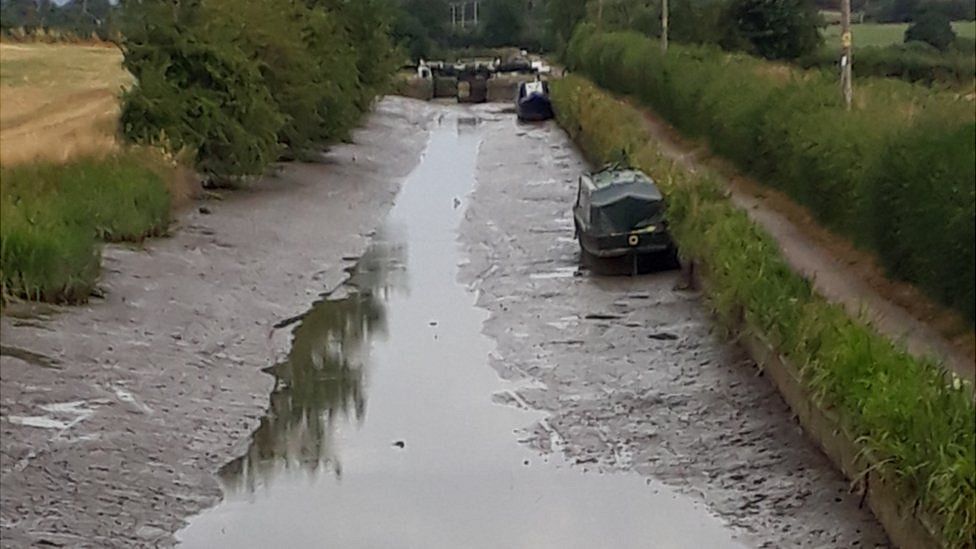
624,200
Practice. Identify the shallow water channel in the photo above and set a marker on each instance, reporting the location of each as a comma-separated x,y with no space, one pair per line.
382,430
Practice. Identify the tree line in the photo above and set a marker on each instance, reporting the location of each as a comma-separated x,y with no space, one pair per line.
425,28
80,18
775,29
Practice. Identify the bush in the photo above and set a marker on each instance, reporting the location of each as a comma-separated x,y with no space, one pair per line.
236,81
503,22
932,27
196,88
778,29
790,128
913,428
52,215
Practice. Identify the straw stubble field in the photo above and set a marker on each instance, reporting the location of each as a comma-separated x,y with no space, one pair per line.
58,101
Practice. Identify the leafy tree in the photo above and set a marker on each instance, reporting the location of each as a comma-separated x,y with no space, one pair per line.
902,10
639,15
700,21
196,89
503,22
366,25
236,80
432,14
777,29
411,34
20,13
80,18
419,25
338,81
933,27
280,53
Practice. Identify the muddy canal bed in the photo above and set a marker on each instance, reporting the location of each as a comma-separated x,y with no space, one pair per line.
383,432
473,386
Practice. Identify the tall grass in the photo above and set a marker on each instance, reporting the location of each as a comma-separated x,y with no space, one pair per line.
53,216
913,428
790,128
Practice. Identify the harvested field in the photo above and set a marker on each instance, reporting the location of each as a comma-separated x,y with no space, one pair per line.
59,101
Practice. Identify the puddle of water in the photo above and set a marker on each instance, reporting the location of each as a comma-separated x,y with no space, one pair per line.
383,432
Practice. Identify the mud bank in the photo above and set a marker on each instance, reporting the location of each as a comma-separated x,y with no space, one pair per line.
117,414
629,370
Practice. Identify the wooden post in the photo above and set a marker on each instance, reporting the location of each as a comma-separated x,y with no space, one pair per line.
846,59
664,26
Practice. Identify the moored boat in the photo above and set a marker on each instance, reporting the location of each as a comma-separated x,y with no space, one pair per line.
532,103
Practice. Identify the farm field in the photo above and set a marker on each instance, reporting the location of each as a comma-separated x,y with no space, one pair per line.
885,34
58,101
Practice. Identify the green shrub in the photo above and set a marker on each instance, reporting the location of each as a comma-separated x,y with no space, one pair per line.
912,427
197,88
778,29
52,215
237,81
790,128
932,27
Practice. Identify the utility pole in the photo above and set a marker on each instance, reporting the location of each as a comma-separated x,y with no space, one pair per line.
664,25
846,60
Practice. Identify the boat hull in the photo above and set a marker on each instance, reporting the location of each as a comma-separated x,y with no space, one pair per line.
534,108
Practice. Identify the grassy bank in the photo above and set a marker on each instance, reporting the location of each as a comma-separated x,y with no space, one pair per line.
55,215
913,429
789,128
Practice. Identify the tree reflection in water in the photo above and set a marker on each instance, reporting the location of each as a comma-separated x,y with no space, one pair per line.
323,379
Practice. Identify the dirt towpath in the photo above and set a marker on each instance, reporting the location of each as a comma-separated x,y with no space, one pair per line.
116,414
840,273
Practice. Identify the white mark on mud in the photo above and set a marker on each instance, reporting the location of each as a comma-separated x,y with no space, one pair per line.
129,398
41,422
562,272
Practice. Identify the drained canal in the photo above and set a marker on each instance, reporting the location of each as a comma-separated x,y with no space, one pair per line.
385,429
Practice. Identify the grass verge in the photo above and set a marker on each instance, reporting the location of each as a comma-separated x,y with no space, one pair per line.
912,428
54,215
